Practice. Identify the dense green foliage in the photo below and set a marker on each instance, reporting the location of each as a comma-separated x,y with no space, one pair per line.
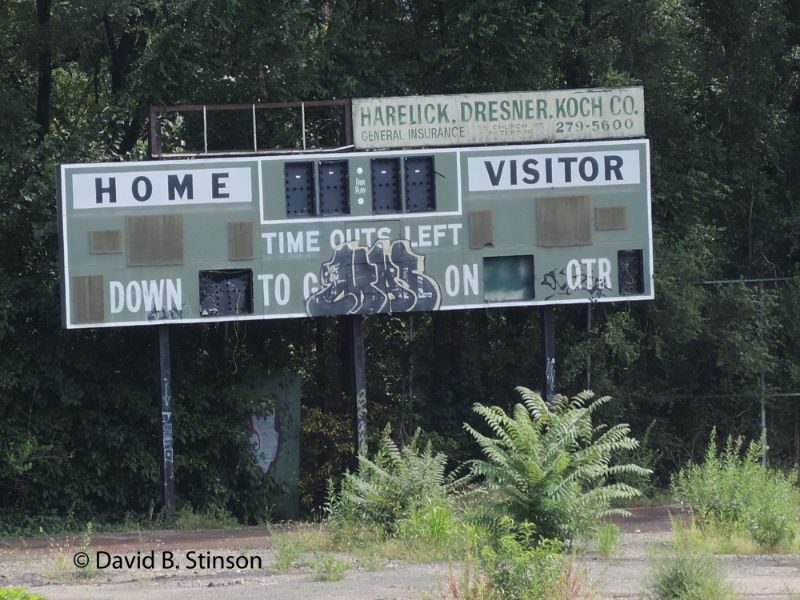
550,466
545,479
395,488
732,492
78,414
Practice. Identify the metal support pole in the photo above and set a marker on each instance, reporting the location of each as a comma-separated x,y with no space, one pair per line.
761,384
359,382
303,124
167,454
348,124
549,351
797,435
589,347
154,143
764,448
255,135
205,131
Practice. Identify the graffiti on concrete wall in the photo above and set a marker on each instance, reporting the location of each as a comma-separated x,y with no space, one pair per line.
387,277
265,438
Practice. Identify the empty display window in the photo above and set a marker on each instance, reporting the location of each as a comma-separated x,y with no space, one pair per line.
420,187
226,292
299,186
508,278
333,188
386,185
630,266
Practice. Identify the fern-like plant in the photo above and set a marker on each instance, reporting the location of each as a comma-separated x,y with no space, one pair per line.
392,485
551,466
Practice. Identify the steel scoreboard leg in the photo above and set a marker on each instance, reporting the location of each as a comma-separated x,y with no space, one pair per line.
359,382
167,452
549,352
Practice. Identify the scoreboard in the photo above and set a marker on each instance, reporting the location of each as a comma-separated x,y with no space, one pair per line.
354,233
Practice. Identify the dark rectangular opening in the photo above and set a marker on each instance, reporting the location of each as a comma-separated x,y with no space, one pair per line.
278,128
508,278
386,185
333,188
630,267
420,187
298,180
226,292
229,130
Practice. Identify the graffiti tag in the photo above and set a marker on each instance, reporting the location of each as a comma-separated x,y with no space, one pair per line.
386,277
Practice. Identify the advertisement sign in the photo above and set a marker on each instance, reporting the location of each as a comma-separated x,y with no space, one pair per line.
502,118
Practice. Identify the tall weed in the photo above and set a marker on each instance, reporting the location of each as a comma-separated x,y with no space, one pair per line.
516,565
731,492
287,551
606,536
433,531
686,571
518,569
328,567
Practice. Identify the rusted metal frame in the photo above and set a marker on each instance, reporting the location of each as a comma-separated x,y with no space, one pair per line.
156,149
348,122
154,142
303,123
262,151
257,105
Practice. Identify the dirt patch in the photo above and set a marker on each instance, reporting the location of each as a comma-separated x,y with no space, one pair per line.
652,519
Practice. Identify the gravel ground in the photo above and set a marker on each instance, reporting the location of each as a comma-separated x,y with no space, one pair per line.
45,566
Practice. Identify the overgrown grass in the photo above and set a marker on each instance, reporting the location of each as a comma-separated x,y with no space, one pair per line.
212,518
517,565
290,546
686,570
287,552
737,502
14,525
17,594
373,548
328,567
64,566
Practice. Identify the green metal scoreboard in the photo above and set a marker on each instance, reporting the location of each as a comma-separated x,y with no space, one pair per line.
204,240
